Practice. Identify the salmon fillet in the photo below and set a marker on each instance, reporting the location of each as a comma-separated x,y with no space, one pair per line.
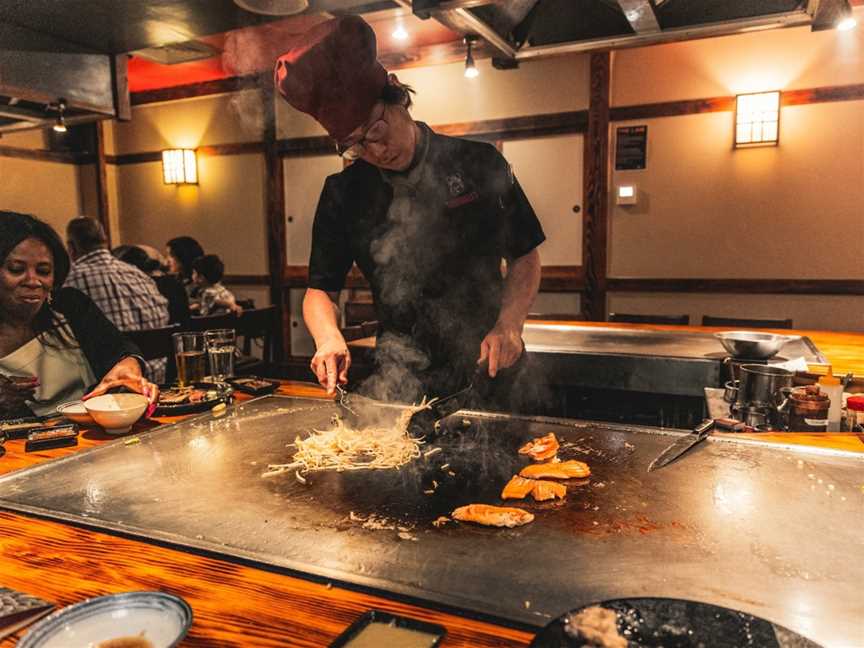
546,490
542,448
501,516
559,470
517,488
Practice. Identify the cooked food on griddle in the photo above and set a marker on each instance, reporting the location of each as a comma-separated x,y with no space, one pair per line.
547,490
557,470
597,626
253,383
542,448
500,516
345,448
519,487
182,395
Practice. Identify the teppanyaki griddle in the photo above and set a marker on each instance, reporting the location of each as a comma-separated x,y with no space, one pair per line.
746,526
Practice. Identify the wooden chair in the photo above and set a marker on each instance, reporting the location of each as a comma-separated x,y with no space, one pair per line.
254,324
708,320
155,344
632,318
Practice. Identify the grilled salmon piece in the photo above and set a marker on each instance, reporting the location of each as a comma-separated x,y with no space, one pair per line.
542,448
557,470
546,490
517,488
485,514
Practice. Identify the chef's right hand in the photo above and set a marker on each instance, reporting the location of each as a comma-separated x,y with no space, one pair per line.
331,362
14,394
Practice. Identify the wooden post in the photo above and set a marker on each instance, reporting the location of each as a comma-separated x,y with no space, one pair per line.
277,253
103,212
595,190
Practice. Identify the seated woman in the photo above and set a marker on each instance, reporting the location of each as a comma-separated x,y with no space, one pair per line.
55,343
214,298
181,252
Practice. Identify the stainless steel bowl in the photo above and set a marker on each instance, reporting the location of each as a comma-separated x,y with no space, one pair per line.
751,345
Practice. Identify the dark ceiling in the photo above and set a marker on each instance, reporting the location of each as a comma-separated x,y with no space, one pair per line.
115,26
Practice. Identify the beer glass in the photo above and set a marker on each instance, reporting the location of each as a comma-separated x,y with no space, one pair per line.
220,349
191,358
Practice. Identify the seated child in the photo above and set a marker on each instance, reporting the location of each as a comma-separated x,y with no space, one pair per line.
213,298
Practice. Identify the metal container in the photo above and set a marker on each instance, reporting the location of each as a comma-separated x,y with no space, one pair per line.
751,345
762,385
808,409
730,391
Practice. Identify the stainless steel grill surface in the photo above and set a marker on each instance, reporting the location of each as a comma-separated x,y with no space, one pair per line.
771,530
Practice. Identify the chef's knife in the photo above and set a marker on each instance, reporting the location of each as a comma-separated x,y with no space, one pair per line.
682,445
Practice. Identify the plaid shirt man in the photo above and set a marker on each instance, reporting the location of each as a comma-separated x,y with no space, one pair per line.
127,296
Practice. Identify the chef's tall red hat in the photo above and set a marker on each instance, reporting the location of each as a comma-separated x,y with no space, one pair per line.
333,74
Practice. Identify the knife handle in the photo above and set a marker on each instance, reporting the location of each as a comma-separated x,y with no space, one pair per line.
704,427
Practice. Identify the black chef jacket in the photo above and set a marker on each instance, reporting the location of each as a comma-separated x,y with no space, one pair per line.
430,241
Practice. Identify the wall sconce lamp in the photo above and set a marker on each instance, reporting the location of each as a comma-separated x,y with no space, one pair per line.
757,119
626,194
179,166
471,70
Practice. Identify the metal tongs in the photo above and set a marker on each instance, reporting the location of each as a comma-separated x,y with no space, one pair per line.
423,422
348,413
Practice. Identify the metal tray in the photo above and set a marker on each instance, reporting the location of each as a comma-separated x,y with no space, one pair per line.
770,530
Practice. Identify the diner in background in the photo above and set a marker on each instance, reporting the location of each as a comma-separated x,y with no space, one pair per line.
181,252
55,342
127,296
213,298
169,285
428,219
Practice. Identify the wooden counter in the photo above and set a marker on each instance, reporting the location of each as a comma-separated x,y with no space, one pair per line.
845,351
234,604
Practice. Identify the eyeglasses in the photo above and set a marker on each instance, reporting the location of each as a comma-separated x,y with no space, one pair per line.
375,133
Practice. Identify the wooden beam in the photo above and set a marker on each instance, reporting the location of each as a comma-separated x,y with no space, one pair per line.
236,148
740,286
218,86
103,211
552,279
595,170
42,155
277,253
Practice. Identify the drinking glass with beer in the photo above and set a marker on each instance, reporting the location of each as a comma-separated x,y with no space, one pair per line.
220,349
191,358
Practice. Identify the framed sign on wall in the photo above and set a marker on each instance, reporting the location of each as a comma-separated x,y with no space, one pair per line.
631,147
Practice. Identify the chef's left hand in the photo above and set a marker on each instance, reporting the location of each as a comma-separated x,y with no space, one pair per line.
501,347
126,373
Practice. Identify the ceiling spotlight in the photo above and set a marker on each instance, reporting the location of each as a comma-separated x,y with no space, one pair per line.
274,7
60,125
471,70
847,23
399,33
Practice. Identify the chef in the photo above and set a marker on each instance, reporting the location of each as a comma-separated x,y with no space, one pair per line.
438,226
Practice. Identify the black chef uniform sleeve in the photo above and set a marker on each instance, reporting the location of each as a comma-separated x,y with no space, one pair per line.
331,257
524,232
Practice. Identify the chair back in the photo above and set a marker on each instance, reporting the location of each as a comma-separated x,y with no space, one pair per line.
257,323
157,343
633,318
708,320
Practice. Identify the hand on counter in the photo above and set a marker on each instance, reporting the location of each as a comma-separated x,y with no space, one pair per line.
15,392
126,373
501,347
331,362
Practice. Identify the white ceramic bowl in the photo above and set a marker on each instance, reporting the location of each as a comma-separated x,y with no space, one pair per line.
116,412
75,412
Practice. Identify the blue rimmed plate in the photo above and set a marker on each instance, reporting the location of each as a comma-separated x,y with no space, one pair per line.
155,617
